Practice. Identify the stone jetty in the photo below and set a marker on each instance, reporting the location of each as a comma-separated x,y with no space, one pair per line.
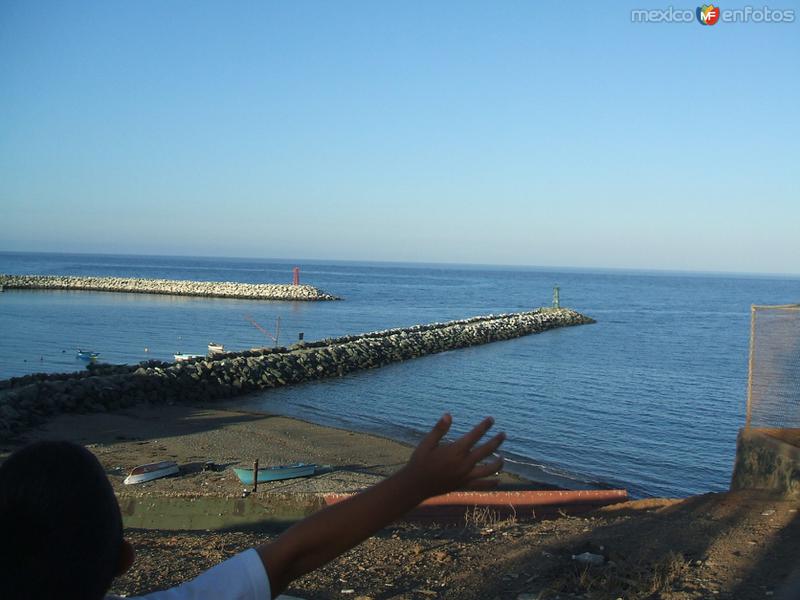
210,289
25,401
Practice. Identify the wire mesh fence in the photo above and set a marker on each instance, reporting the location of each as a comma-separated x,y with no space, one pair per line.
773,385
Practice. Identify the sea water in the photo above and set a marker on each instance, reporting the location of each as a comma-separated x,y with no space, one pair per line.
650,397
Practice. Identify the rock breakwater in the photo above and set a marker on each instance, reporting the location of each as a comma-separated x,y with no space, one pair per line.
25,401
211,289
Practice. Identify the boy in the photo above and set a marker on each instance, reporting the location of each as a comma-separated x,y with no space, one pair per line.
61,528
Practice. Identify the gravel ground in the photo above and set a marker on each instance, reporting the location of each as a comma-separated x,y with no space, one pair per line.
736,546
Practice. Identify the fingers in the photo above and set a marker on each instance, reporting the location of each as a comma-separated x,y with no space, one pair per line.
471,438
486,470
436,434
487,449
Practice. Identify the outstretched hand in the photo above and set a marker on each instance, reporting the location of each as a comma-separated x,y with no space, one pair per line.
437,468
434,468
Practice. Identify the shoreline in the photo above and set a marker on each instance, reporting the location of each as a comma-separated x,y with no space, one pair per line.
515,465
191,435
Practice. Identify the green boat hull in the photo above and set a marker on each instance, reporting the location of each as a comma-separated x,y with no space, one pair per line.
275,473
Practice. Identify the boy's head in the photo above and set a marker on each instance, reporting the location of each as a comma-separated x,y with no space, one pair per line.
60,524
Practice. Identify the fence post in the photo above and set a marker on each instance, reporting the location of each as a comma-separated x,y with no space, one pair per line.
750,365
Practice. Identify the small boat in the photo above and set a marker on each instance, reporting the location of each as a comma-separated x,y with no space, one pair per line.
215,349
86,355
151,471
182,357
276,473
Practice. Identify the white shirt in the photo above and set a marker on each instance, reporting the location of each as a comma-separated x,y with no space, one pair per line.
241,577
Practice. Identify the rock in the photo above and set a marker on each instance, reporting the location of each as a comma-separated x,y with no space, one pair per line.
107,387
256,291
7,413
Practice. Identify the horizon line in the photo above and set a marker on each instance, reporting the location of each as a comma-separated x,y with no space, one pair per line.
642,270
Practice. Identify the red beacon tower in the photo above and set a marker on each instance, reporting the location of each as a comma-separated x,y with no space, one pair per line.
296,276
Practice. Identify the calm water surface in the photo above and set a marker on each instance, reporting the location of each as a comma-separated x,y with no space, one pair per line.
650,397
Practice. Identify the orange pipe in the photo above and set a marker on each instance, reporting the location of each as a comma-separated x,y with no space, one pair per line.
521,498
540,503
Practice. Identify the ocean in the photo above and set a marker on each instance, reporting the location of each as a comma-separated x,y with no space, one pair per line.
649,398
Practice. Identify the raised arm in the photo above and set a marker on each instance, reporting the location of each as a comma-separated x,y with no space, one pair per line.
433,469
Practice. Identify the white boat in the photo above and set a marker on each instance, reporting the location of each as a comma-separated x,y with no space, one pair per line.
151,471
215,349
182,357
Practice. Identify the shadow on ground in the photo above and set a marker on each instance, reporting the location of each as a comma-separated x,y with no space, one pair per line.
741,545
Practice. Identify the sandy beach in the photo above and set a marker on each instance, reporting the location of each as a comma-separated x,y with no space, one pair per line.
195,435
740,545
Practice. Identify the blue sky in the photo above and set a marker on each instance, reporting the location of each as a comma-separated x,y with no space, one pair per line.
554,134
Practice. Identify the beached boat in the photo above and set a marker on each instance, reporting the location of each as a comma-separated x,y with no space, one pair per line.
86,355
215,349
182,357
151,471
276,473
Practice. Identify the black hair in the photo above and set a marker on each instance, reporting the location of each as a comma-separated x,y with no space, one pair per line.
60,524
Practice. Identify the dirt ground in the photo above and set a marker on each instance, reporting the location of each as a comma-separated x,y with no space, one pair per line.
742,545
739,546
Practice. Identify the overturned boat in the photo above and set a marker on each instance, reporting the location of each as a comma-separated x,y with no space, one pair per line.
151,471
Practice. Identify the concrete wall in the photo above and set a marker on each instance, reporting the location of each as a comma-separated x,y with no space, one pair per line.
766,462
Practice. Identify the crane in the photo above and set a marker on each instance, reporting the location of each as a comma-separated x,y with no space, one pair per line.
255,324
